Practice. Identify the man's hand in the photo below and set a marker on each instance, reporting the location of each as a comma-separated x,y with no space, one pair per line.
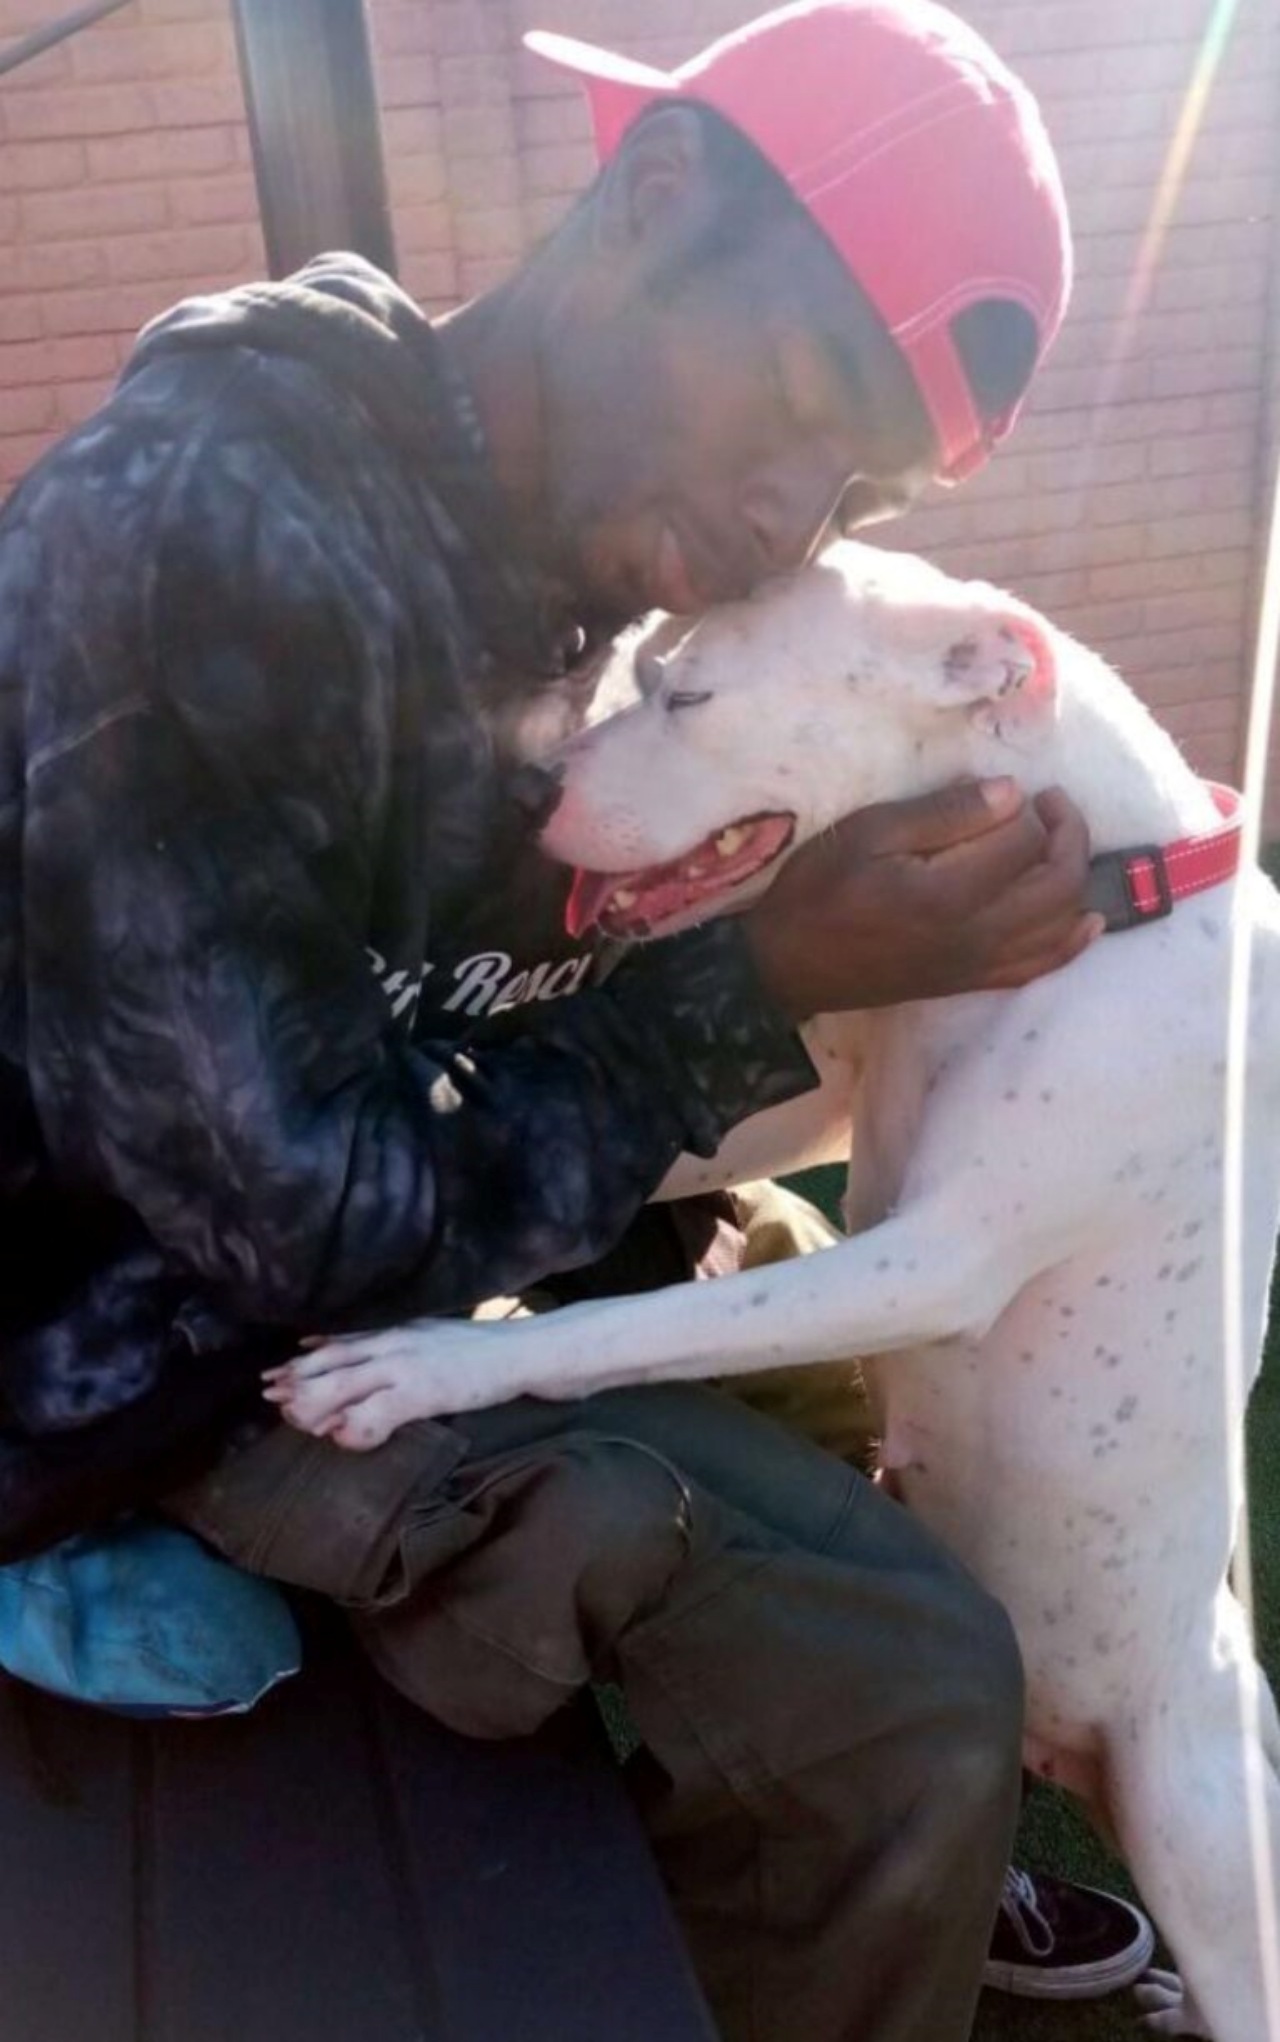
971,889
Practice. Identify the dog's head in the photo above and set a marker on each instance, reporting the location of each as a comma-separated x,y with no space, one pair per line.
865,677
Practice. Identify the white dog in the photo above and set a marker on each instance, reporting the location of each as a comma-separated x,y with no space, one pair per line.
1036,1198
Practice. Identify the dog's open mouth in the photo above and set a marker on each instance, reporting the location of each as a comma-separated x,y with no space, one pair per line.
639,903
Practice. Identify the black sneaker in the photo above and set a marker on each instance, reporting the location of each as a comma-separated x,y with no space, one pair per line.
1055,1941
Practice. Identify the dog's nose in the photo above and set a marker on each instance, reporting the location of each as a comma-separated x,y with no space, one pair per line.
536,792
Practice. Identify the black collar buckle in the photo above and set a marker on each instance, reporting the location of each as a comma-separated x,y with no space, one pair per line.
1112,887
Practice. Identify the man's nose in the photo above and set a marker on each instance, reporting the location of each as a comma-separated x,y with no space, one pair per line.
787,509
536,791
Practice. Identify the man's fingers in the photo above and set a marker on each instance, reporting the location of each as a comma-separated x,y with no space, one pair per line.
1050,891
1040,959
1026,881
932,822
1037,916
1066,831
1037,923
966,876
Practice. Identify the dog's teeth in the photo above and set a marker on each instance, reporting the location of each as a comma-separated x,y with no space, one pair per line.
624,898
730,840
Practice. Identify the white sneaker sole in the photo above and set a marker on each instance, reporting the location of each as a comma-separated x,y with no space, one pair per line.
1078,1981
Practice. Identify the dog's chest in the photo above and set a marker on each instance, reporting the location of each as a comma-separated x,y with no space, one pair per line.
1102,1350
906,1054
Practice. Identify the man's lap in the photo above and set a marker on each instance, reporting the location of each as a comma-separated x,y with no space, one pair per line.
317,1516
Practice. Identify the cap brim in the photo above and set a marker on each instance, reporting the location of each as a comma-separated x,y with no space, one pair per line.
617,88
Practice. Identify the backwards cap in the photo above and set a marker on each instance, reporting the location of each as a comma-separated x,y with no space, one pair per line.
920,155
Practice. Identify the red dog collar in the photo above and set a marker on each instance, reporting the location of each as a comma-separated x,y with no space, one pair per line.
1142,883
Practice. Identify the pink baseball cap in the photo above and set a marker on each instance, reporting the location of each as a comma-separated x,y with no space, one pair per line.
919,154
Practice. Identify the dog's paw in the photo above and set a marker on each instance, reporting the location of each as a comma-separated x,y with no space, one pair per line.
355,1391
1166,2007
359,1388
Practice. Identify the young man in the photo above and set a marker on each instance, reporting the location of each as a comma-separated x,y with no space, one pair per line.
286,1034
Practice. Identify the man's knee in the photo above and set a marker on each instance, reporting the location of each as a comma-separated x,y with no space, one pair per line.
520,1579
959,1679
632,1514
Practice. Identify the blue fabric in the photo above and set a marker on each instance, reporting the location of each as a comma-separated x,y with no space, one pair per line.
144,1620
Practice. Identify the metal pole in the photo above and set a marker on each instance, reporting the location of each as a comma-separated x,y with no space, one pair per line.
315,129
42,39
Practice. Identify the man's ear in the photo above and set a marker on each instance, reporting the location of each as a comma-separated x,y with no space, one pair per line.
1001,669
656,190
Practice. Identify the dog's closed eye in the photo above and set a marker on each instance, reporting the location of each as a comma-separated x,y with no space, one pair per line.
688,698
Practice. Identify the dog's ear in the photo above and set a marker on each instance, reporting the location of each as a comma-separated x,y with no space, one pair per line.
1001,669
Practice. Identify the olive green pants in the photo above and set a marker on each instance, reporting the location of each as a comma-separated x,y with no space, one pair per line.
830,1709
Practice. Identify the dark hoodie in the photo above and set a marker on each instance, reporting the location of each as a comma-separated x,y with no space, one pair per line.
256,875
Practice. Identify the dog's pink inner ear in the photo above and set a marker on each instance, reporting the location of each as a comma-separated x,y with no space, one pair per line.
1005,660
1036,686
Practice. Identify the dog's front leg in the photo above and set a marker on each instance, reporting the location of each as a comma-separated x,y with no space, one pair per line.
920,1276
361,1387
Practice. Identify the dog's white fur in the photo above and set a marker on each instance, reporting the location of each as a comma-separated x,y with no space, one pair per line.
1036,1202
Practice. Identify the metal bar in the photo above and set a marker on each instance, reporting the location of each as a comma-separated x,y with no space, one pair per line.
1267,447
315,130
42,39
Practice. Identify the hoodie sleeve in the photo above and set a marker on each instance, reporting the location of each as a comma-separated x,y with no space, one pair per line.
205,1036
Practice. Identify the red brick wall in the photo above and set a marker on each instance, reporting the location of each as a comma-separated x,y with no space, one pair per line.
124,184
1135,521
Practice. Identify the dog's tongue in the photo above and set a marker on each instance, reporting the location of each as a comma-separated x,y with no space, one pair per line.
637,904
587,896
